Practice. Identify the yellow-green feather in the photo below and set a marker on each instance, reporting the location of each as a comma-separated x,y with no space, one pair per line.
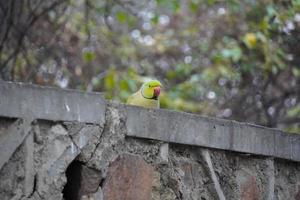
137,98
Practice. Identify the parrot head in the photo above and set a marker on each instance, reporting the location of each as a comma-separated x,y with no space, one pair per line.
151,89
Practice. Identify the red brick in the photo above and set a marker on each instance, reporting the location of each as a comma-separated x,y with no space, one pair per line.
250,189
129,178
297,197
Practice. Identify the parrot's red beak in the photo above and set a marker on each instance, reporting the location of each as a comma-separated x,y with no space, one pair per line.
156,92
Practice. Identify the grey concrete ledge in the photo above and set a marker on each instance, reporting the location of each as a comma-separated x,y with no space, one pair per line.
191,129
20,100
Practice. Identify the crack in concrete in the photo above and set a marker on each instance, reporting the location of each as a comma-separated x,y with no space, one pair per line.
101,136
73,142
70,136
34,186
98,143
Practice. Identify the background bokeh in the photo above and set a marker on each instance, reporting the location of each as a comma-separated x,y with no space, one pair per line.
229,59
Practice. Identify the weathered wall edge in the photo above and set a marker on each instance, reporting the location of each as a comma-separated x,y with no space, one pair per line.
18,100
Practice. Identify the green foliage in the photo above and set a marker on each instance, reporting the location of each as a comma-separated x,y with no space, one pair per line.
232,59
122,17
173,5
294,112
88,56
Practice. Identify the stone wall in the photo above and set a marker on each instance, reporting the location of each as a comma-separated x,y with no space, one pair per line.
62,144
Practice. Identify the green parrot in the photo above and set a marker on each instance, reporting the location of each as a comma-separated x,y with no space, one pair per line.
147,96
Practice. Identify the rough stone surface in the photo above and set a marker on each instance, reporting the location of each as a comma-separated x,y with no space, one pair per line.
85,137
129,177
51,160
12,137
90,180
12,176
287,180
112,141
184,175
188,177
37,168
95,196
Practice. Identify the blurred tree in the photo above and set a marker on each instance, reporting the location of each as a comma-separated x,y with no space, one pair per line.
231,59
18,35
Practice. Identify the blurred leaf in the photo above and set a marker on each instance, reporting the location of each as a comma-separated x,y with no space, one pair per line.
271,10
171,74
235,53
155,19
296,3
174,5
293,129
132,73
261,37
294,112
183,69
88,56
211,2
250,40
121,17
296,72
193,6
124,85
209,74
110,79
